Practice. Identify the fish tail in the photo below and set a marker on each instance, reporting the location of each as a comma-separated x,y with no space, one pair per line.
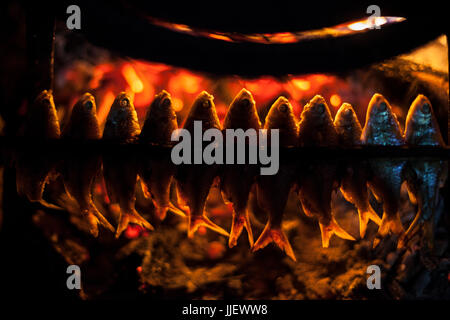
100,218
47,205
131,216
411,231
178,200
195,222
144,189
364,217
34,192
172,208
418,225
124,220
160,211
277,236
306,211
327,230
240,221
388,224
92,222
411,195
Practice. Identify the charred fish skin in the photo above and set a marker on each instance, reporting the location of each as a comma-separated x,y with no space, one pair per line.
122,122
347,126
237,180
32,170
80,170
156,170
43,121
160,121
421,129
316,127
119,171
83,122
318,179
273,190
242,113
355,173
382,129
195,181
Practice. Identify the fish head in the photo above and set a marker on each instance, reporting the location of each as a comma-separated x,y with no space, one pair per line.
421,125
44,103
122,103
242,112
43,121
162,107
379,111
83,121
86,105
316,125
45,98
281,116
160,120
203,109
122,121
317,111
347,125
382,126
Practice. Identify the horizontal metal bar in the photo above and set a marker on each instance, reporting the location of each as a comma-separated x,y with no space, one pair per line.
58,146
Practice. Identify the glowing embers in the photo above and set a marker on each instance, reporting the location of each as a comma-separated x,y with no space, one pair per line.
142,80
132,78
372,23
283,37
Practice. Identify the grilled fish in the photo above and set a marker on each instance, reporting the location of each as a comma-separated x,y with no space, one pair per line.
119,171
195,181
382,129
273,190
32,170
80,170
237,180
157,170
355,173
421,129
319,179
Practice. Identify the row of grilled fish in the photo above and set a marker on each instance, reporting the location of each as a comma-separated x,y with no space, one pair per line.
314,182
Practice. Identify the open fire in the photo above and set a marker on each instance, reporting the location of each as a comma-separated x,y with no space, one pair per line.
142,80
89,167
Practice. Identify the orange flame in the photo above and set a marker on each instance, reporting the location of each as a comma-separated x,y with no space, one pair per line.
177,104
141,80
367,24
132,78
105,105
186,82
281,37
335,100
301,84
219,37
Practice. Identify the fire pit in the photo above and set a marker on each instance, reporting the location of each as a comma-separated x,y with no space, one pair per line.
169,250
